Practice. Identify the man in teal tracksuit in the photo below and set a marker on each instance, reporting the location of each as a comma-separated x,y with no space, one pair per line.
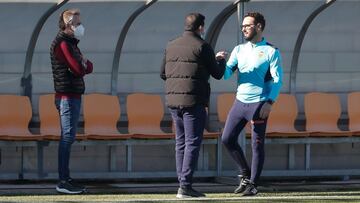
259,83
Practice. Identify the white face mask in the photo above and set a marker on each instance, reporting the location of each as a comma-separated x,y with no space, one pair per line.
202,34
79,31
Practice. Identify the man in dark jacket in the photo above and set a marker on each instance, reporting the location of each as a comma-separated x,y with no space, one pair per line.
188,63
69,67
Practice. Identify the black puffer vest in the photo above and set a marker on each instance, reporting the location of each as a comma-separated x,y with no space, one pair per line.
64,80
186,73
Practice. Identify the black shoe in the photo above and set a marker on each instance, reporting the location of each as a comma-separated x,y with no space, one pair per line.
67,188
250,190
188,192
244,181
76,184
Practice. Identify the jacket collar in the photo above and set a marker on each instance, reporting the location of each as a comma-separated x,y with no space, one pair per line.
68,38
262,42
191,33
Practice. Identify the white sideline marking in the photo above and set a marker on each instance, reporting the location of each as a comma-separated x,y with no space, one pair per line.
355,197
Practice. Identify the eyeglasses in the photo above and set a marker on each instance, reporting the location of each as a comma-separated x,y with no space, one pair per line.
246,26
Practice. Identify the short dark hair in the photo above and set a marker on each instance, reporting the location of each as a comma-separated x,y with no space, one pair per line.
259,18
193,21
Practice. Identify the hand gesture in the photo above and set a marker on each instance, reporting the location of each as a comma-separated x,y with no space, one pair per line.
84,62
221,55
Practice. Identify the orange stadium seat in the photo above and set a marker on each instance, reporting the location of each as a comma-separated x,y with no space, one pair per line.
224,104
354,112
101,114
15,115
210,135
282,118
50,120
322,111
49,116
145,112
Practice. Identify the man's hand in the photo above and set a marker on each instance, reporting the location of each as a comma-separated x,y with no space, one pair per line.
89,67
84,59
265,110
221,55
84,62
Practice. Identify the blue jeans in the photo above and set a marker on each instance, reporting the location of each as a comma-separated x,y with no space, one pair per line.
69,110
190,124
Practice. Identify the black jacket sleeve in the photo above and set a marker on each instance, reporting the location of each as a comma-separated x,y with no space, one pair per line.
216,68
162,69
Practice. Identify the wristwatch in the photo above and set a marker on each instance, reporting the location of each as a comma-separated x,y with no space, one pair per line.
269,101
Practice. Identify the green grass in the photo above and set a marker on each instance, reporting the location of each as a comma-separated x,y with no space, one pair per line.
340,196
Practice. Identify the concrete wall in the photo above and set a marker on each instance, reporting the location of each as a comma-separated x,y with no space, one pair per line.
328,61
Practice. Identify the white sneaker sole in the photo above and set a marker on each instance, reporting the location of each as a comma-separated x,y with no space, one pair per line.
180,196
65,191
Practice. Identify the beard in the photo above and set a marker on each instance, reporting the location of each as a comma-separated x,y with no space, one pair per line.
251,36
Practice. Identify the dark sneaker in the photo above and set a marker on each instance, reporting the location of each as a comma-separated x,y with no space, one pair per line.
250,190
75,184
244,181
67,188
188,192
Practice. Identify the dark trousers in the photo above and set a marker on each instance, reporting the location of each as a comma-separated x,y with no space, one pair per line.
238,117
69,110
189,123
